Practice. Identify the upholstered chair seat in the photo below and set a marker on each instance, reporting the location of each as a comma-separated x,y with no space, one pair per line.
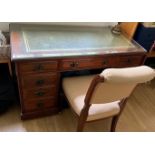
75,89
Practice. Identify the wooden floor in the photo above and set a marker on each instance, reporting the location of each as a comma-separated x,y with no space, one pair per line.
139,115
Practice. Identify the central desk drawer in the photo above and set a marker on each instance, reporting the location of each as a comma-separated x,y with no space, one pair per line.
39,93
129,61
39,104
39,66
39,80
91,63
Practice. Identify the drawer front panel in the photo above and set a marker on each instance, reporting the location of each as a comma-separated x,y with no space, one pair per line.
126,61
39,80
39,93
39,104
91,63
36,67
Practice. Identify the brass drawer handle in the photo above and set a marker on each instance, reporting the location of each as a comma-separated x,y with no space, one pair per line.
38,67
40,105
74,64
40,82
40,94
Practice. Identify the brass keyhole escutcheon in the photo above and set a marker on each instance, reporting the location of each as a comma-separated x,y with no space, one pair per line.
105,62
40,105
38,67
129,60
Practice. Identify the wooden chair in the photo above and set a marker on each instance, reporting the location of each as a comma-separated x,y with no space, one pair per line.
105,95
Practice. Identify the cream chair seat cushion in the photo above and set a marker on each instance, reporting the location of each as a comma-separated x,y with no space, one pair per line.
75,89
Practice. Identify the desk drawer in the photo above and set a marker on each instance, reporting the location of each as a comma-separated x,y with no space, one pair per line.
38,93
39,80
74,64
40,66
129,61
39,104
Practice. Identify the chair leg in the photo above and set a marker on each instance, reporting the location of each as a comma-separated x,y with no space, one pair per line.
116,118
82,118
114,123
80,126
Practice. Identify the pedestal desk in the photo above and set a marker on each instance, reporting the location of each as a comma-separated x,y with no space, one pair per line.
41,53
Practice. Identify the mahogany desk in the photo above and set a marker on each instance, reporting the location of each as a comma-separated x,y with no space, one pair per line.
42,53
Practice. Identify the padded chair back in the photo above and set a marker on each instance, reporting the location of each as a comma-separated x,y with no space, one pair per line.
119,83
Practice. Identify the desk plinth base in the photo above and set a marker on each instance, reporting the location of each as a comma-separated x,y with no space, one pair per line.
34,114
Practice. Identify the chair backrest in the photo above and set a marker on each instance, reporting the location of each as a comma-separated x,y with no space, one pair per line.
119,83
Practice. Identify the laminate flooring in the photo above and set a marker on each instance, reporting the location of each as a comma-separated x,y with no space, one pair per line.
138,116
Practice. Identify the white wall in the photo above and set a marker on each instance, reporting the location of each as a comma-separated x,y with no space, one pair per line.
4,26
